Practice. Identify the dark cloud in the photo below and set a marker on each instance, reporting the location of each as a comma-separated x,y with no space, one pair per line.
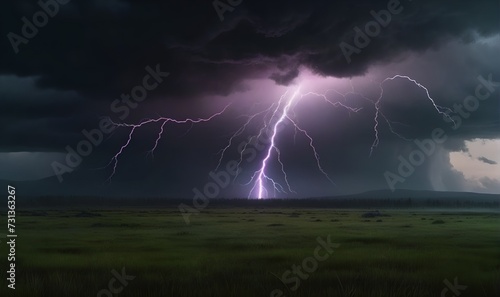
65,78
100,47
285,78
487,161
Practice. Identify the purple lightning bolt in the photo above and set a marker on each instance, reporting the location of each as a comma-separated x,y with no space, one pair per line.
261,173
272,118
163,120
440,109
152,151
283,111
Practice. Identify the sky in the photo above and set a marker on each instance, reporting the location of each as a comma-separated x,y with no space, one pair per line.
381,95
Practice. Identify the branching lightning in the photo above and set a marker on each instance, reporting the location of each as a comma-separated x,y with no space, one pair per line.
261,173
163,120
273,118
441,110
281,112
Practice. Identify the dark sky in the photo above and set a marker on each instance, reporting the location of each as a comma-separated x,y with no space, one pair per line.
66,72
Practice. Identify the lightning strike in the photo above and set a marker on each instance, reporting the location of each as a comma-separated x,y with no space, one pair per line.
281,112
163,120
277,115
440,109
261,173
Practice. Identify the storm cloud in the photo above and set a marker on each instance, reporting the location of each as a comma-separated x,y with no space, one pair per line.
66,78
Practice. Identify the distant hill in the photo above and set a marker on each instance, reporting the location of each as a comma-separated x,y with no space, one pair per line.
421,195
94,192
98,187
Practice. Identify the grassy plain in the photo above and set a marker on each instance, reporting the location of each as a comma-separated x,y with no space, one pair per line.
245,251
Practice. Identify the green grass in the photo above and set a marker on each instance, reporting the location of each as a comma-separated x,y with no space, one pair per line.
239,252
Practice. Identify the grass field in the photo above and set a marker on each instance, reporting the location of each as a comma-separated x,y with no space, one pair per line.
244,252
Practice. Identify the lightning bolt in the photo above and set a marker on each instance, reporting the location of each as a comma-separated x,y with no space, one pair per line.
440,109
281,112
143,123
271,119
259,185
